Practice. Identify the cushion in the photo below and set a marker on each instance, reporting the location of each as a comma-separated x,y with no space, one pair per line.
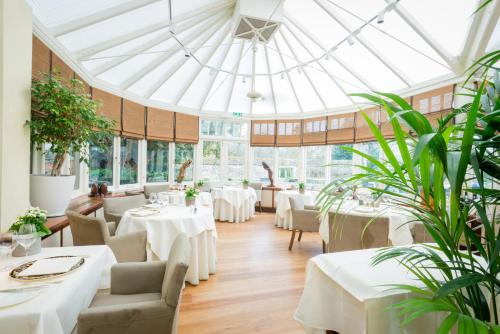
106,299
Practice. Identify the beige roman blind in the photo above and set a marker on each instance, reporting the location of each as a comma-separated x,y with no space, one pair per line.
186,128
435,104
110,107
288,132
60,67
341,129
315,131
40,58
385,124
363,131
132,119
263,133
160,124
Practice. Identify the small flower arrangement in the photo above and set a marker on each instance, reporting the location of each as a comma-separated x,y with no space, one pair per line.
245,183
35,216
200,184
191,193
302,187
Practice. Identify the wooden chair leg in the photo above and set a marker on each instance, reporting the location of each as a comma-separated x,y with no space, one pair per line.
324,246
291,240
260,206
300,235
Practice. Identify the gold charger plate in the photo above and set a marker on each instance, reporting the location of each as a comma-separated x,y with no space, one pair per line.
14,274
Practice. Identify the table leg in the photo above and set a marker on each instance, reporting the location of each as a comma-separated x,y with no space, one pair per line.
61,239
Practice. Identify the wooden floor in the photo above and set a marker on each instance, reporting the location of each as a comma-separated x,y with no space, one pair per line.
257,285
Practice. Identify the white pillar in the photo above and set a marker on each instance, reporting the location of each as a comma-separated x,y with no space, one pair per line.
15,83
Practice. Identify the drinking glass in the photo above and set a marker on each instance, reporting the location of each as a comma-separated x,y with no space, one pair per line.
163,199
26,236
153,198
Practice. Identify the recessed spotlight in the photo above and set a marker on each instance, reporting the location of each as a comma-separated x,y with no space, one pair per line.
380,17
187,54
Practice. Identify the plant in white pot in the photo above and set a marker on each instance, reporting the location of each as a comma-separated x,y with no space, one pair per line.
37,218
64,116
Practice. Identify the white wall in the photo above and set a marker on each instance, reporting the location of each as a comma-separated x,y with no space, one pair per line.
15,83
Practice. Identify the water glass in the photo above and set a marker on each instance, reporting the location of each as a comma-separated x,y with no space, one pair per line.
163,199
26,236
153,198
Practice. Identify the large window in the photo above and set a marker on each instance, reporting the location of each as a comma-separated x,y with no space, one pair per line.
101,164
157,161
210,168
288,162
235,160
74,168
183,152
236,129
340,162
129,158
261,154
371,148
212,128
315,166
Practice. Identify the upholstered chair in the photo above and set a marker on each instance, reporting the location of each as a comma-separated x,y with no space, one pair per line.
95,231
420,234
257,186
350,232
304,218
115,207
155,188
206,187
144,297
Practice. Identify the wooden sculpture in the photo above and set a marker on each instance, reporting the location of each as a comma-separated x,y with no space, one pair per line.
182,170
269,173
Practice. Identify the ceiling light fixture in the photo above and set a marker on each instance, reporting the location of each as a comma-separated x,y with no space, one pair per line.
380,17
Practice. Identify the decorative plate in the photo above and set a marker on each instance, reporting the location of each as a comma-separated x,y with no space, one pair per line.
14,274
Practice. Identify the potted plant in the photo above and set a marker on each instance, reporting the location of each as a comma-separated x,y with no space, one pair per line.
199,184
302,187
191,194
64,116
245,183
37,217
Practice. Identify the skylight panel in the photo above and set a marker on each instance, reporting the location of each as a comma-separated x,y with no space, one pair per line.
309,44
265,105
329,91
219,93
286,102
239,100
308,98
193,97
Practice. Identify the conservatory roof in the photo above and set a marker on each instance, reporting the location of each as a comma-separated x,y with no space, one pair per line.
265,58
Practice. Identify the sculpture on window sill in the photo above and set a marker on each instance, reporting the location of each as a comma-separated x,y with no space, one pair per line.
182,170
269,173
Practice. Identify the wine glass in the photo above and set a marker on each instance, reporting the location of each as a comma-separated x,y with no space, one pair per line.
26,236
163,199
153,198
6,247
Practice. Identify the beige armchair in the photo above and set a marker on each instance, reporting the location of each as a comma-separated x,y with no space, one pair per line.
144,297
350,232
304,218
95,231
257,186
155,188
115,207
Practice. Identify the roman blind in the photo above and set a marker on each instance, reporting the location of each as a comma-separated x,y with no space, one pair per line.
341,129
263,133
363,131
186,128
435,104
132,119
110,107
288,132
160,124
315,131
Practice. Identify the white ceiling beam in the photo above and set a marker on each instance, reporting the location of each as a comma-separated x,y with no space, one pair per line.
288,74
270,79
235,71
303,69
100,16
204,62
206,35
371,48
192,16
347,67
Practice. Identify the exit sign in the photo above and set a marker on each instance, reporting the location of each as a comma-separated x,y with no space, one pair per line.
237,114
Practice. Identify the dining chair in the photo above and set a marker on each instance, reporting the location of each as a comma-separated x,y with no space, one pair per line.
155,188
304,218
115,207
352,232
144,297
420,234
95,231
257,186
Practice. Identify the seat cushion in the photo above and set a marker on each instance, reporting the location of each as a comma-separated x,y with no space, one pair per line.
106,299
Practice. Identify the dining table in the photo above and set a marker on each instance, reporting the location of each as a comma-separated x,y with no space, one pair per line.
234,204
164,224
283,216
52,305
178,197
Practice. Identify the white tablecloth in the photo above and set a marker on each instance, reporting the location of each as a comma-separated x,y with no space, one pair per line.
283,217
344,293
400,225
163,228
233,204
179,198
55,310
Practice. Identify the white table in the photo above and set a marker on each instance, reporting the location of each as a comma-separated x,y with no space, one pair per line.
400,222
163,228
179,198
55,310
233,204
344,293
283,217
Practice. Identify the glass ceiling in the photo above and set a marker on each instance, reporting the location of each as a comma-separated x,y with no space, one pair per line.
321,51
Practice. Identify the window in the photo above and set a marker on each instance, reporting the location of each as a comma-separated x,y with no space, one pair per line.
370,148
210,168
184,152
341,162
236,129
101,164
157,161
211,128
315,166
263,129
235,160
74,168
129,158
261,154
288,161
48,158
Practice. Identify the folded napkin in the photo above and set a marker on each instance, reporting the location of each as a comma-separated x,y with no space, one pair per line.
144,213
49,266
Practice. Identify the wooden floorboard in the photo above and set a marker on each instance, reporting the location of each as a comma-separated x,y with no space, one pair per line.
257,285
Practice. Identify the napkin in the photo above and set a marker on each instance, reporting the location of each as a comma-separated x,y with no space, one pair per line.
50,266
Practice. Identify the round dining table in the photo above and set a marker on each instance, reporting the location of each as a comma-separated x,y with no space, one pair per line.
283,217
234,204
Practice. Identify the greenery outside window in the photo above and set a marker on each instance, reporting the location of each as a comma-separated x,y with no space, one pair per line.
184,152
341,162
129,157
235,160
288,161
101,164
315,166
157,161
262,154
211,165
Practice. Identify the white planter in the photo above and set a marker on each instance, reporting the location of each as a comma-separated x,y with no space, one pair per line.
51,193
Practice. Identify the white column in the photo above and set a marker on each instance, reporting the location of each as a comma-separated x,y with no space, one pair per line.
15,83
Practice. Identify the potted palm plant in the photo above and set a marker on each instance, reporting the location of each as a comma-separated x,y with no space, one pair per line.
64,116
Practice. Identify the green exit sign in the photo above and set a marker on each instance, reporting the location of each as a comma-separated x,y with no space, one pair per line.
237,114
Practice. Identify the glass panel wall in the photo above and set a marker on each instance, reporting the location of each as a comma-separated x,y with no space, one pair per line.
212,128
235,161
157,161
288,163
184,152
74,168
260,154
129,157
101,164
315,166
340,162
211,163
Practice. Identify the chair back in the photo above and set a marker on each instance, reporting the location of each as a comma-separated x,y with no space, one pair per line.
87,230
116,206
155,188
350,232
206,187
257,186
296,203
